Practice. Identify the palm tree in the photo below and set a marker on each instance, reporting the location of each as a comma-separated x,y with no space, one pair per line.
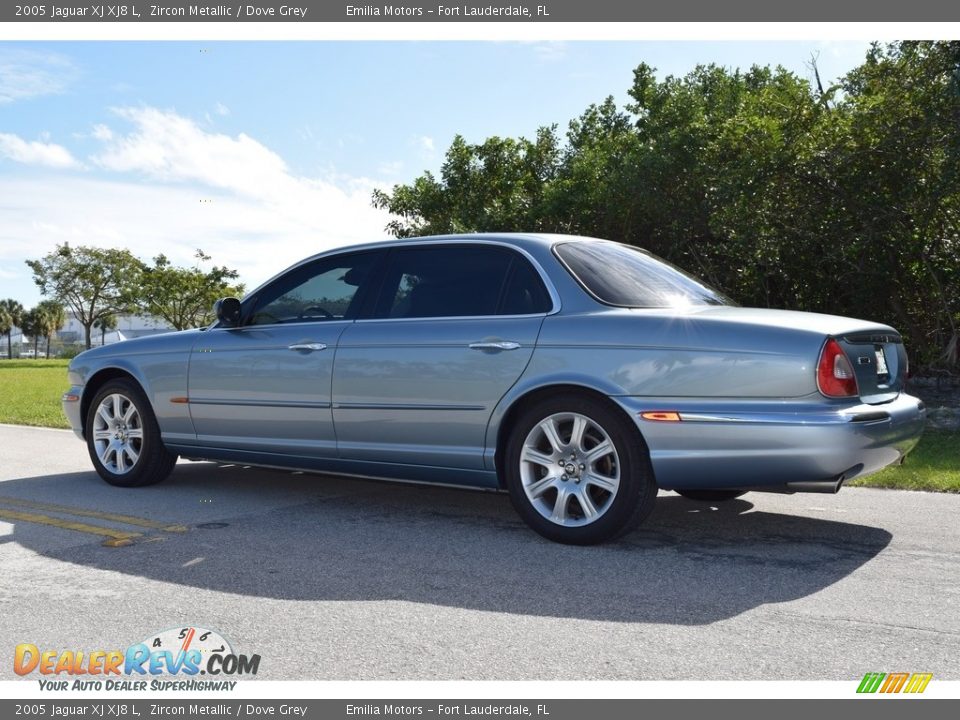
6,324
105,323
51,317
30,325
15,312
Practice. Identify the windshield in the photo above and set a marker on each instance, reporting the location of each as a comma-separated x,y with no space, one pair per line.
630,277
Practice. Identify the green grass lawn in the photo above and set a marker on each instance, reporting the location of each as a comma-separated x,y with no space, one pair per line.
933,465
30,393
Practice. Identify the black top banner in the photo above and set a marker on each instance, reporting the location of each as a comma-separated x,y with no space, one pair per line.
541,11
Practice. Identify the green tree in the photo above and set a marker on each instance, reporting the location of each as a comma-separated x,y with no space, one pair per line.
6,325
104,325
50,317
14,312
496,185
184,297
93,282
780,192
31,327
895,151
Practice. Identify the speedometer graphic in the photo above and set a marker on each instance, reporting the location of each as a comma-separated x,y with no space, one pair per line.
184,639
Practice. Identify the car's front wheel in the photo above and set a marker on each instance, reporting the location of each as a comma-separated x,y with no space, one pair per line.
123,437
577,472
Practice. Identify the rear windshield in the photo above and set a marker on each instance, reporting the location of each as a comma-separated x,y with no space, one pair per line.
629,277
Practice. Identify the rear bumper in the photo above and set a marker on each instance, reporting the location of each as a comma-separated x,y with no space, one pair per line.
777,446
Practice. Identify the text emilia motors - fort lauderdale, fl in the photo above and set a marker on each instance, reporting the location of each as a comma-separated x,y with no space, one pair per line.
446,11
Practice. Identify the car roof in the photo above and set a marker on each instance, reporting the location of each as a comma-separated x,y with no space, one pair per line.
519,239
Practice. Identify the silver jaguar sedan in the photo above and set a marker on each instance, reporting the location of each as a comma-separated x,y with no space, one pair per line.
579,375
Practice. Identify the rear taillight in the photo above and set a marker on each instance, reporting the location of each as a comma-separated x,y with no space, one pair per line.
835,376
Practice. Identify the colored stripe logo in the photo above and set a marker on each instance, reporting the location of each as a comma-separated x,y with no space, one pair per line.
914,683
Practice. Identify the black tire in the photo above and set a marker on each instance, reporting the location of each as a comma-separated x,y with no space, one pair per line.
114,438
711,495
616,512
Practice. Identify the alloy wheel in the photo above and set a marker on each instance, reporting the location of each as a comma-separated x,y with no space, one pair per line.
118,433
569,469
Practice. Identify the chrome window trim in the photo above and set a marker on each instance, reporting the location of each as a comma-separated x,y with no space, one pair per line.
311,323
453,318
387,245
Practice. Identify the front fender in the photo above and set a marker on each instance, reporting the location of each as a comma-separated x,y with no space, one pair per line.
161,375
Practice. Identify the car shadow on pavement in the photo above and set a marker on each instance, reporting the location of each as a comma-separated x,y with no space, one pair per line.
280,535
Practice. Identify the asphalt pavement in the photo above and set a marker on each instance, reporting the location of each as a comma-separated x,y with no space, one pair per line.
330,578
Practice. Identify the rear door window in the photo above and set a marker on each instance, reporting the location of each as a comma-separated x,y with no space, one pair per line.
459,281
524,293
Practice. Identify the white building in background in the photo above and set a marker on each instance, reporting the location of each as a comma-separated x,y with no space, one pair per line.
128,327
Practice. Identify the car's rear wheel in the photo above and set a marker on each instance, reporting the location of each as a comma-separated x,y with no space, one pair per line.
123,437
711,495
577,472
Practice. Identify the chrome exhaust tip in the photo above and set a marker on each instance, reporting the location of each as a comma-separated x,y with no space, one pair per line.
830,487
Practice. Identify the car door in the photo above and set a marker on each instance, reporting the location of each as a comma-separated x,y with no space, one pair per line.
265,386
452,329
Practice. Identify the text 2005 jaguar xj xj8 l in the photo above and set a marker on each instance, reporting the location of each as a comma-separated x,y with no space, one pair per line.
580,375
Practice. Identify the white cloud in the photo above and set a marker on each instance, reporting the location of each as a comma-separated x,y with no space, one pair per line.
166,146
221,109
257,239
35,152
26,74
102,132
426,143
257,215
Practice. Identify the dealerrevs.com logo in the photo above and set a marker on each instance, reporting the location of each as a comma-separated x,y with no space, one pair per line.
182,653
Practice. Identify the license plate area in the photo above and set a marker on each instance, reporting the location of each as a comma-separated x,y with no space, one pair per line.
883,371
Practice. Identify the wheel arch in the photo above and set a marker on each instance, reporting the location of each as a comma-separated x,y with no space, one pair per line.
96,381
508,413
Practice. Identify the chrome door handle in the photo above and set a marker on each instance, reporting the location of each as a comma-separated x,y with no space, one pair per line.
495,345
309,347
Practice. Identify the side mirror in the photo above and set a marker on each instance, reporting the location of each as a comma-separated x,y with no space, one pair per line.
227,311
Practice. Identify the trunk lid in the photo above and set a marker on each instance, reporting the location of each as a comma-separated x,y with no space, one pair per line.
879,362
875,351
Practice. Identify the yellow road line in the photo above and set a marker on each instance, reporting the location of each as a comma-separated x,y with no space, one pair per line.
115,538
81,512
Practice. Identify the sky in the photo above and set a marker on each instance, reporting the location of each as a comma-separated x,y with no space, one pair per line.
262,153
